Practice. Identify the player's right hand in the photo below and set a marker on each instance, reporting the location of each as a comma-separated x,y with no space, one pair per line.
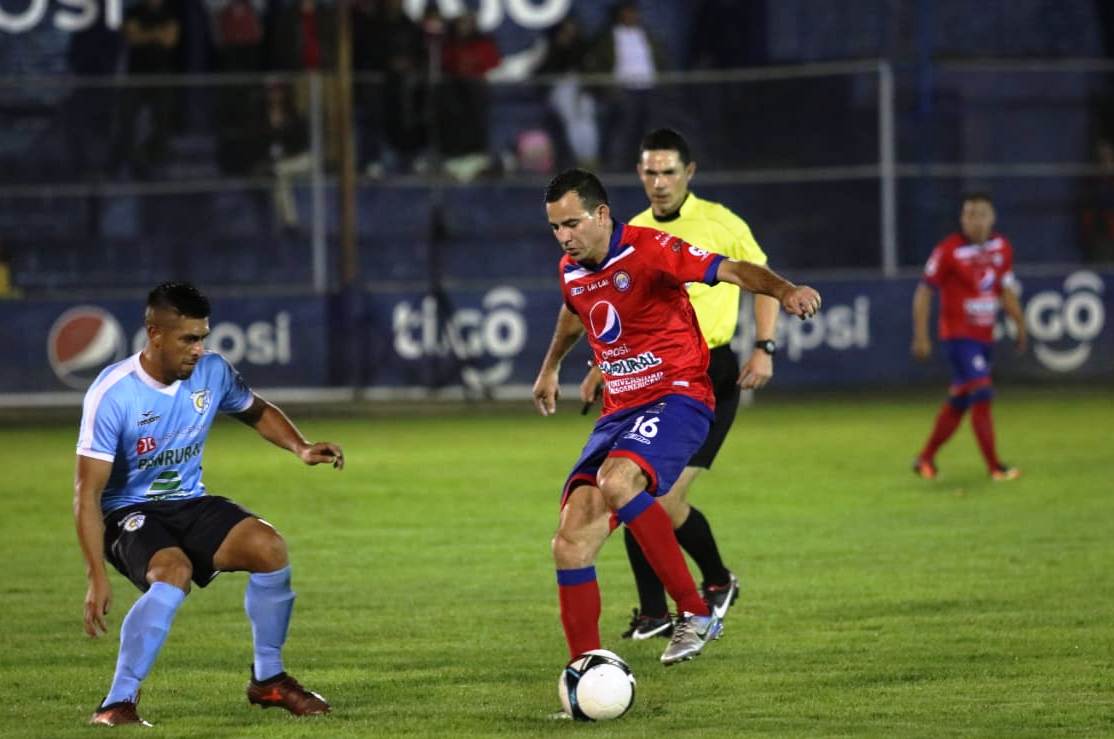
98,599
802,301
545,393
323,452
590,385
922,348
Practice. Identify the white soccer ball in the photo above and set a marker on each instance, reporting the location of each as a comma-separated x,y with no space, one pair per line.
596,686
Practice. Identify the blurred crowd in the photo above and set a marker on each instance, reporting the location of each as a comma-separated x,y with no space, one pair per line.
421,85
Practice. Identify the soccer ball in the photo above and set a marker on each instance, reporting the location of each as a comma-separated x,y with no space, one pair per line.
596,686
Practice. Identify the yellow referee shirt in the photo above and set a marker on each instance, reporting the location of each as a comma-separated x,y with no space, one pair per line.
713,227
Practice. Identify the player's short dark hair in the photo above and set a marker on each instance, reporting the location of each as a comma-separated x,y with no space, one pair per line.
583,183
181,297
668,140
978,197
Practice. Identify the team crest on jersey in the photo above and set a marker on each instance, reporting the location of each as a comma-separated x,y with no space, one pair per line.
621,280
605,322
201,399
134,522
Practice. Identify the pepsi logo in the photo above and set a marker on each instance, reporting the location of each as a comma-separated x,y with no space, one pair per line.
986,280
81,342
606,325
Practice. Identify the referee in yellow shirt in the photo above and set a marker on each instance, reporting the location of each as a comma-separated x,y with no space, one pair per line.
666,168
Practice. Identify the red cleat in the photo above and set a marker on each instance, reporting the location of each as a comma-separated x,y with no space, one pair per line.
283,691
118,714
924,469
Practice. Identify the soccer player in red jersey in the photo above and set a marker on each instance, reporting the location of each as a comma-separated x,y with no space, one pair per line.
625,287
973,272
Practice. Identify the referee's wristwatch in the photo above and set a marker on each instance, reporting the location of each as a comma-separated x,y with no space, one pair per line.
767,345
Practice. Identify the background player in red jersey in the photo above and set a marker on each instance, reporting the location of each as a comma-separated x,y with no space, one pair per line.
973,272
626,286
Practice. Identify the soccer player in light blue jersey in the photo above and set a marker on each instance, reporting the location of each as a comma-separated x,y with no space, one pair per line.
139,502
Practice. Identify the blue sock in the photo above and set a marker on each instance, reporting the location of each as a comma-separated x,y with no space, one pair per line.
141,636
268,603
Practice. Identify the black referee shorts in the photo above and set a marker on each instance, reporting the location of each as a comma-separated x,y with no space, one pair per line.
723,368
197,526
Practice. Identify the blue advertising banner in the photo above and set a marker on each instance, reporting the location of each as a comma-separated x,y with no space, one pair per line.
496,337
53,345
491,338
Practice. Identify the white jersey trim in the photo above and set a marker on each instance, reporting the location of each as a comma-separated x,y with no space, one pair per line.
96,455
576,274
92,404
169,390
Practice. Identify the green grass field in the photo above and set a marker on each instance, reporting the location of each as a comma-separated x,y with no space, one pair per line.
873,603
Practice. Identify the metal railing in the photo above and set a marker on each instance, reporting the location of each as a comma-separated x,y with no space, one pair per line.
836,166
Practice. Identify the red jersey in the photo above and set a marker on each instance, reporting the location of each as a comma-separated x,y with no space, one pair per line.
640,324
969,278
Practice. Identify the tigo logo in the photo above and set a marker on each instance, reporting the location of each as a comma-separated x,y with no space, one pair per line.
81,342
605,322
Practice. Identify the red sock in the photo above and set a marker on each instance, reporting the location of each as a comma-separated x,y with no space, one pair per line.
653,531
984,432
947,420
579,595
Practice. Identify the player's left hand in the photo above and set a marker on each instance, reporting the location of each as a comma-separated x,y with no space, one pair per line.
757,371
323,452
801,301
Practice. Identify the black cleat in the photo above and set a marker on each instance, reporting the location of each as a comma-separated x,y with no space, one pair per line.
647,627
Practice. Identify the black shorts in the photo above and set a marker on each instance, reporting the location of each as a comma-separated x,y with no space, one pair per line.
723,368
197,526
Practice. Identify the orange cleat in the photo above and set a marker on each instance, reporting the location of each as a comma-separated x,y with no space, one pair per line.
924,469
118,714
1005,473
284,691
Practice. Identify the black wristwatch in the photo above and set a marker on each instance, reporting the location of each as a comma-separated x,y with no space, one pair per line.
767,345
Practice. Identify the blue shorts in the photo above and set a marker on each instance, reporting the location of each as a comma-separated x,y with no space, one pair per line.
660,437
970,361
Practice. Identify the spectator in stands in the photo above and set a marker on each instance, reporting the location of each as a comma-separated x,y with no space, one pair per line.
388,42
238,32
238,36
95,51
152,35
627,51
305,37
1098,208
285,134
467,55
574,107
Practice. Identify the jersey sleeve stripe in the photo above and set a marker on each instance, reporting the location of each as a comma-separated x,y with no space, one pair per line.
92,404
96,455
710,273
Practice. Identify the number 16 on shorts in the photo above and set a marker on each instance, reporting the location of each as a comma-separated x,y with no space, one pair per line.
643,430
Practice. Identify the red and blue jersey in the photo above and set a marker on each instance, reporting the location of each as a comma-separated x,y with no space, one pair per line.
640,324
970,279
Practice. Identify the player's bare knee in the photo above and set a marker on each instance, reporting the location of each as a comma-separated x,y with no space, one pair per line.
271,552
616,488
570,550
173,570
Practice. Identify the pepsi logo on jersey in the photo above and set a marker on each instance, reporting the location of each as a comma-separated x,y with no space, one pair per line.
606,325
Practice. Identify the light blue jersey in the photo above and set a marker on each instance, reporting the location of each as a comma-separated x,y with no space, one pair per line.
154,434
